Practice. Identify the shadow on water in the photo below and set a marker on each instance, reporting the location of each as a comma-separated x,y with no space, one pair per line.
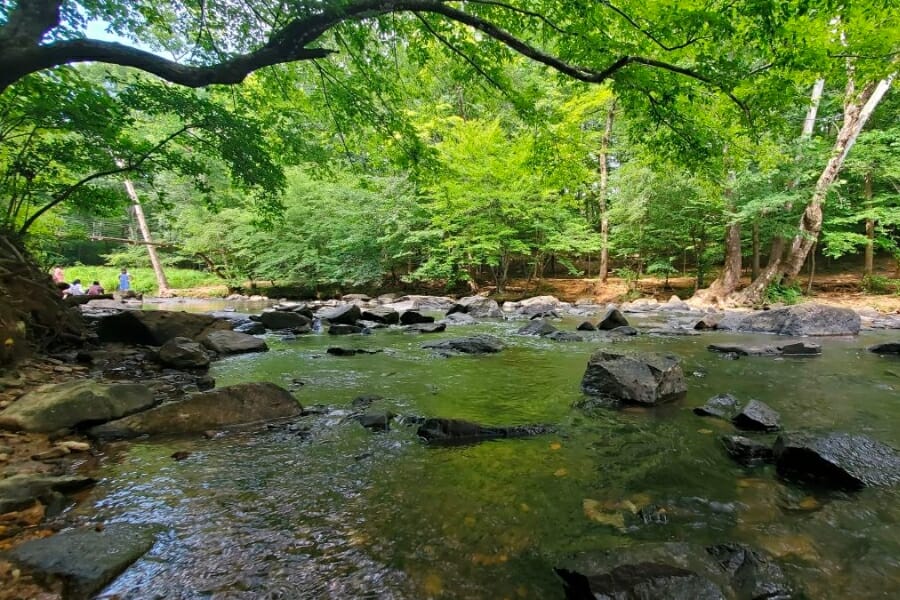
344,513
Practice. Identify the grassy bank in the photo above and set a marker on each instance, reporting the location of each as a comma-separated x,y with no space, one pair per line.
142,278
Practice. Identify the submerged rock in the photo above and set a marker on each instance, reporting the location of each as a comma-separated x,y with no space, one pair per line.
241,404
233,342
183,353
85,560
757,416
476,344
794,349
75,404
540,327
753,575
803,319
644,580
342,329
838,460
377,421
564,336
746,451
886,348
723,406
638,378
459,431
337,351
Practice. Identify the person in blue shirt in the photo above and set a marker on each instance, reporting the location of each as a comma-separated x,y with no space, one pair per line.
124,281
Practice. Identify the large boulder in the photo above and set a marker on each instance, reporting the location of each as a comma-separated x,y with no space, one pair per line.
184,353
476,344
637,378
538,305
348,314
242,404
387,316
278,319
611,319
803,319
75,404
478,307
837,460
459,431
22,490
84,560
155,327
233,342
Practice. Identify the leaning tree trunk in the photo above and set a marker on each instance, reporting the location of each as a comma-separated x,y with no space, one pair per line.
604,188
857,110
725,284
138,210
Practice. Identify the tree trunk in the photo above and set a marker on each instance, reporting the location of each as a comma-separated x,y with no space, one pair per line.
857,110
754,265
870,229
138,210
725,284
604,187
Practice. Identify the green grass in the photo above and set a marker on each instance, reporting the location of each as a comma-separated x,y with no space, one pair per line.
142,278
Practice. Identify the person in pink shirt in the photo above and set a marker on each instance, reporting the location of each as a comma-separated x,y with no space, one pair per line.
58,275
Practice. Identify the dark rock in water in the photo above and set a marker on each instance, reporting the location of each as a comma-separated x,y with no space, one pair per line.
478,307
233,342
458,319
753,575
241,404
672,331
795,349
586,326
803,319
757,416
550,314
277,319
611,319
155,327
539,327
476,344
412,317
427,328
723,406
376,422
347,314
638,378
182,454
623,331
84,560
336,351
886,348
75,404
388,316
341,329
458,431
837,460
251,328
746,451
366,400
184,353
564,336
650,581
20,491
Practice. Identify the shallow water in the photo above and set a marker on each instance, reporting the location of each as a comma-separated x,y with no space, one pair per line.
344,513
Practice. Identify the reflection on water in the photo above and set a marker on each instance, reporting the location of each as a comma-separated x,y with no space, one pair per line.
343,513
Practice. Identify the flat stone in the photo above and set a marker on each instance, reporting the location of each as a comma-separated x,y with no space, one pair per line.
75,404
426,328
476,344
723,406
459,431
233,342
85,560
793,349
22,490
757,416
236,405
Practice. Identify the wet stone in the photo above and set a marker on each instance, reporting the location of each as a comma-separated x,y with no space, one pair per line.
746,451
757,416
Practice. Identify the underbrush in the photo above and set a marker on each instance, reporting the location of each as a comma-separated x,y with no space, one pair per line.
777,293
878,284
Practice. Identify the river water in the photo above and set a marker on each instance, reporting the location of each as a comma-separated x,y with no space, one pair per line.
344,513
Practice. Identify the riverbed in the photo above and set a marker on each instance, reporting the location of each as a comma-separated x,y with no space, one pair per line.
333,510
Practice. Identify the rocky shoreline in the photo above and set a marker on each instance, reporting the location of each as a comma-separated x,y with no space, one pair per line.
144,373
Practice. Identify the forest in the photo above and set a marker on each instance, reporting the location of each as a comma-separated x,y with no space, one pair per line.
449,299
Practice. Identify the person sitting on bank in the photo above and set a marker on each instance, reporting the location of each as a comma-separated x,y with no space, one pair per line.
124,280
59,276
75,289
96,289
